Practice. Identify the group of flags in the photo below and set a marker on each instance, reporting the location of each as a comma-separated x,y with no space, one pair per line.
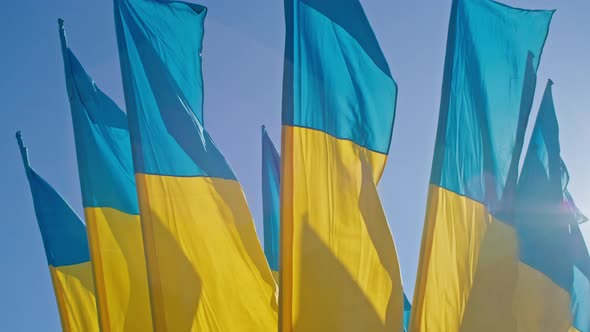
169,243
498,250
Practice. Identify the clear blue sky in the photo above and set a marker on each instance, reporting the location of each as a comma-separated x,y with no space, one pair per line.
243,75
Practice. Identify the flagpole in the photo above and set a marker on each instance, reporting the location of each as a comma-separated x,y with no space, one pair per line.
23,150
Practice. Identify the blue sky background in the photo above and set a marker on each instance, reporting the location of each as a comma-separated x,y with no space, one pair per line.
243,75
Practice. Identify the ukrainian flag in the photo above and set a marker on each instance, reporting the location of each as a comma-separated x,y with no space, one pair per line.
546,221
339,268
206,268
66,248
407,312
580,292
271,182
110,201
469,255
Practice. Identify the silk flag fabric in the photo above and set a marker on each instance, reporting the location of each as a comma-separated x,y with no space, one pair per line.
549,245
66,248
339,268
271,181
207,270
110,201
469,255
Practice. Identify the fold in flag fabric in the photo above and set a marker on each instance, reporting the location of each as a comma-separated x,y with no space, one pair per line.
66,248
206,268
551,250
469,255
339,267
271,181
110,201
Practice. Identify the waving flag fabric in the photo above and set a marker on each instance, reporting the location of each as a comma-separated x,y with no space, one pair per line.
549,243
271,181
339,268
110,201
468,260
207,270
66,248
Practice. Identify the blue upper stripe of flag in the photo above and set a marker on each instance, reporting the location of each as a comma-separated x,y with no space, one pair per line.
271,163
490,48
336,78
102,140
63,232
160,44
